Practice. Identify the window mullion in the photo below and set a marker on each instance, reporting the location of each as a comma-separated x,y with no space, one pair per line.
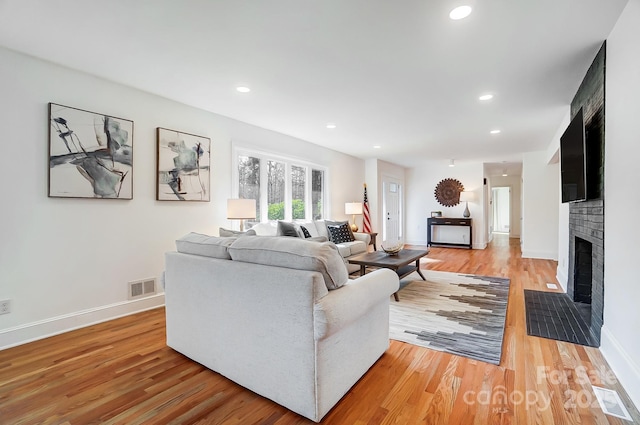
307,195
264,189
288,204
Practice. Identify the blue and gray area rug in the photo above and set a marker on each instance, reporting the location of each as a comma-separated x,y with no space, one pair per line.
457,313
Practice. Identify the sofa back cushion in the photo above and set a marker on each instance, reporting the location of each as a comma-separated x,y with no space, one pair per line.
293,253
312,229
265,229
207,246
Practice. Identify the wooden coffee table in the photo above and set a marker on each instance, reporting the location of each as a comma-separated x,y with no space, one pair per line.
402,263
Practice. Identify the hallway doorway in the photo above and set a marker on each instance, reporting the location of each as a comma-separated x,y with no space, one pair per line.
501,209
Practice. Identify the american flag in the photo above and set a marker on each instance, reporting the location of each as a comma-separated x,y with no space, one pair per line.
366,219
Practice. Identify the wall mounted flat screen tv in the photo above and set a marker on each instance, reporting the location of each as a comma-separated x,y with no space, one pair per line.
573,161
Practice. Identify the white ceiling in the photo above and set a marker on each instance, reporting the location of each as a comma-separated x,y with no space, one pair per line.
399,74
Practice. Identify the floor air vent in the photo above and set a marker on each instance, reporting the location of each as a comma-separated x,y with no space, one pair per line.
611,403
142,288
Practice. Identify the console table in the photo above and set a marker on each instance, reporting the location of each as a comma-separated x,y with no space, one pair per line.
442,221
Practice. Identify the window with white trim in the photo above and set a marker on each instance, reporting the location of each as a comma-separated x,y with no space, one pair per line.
284,188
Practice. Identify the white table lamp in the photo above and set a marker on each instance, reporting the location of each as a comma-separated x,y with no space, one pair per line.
353,208
241,209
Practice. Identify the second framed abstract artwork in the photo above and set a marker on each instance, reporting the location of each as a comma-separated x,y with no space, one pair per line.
184,161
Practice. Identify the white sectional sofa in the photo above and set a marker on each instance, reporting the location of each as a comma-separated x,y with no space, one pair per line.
259,311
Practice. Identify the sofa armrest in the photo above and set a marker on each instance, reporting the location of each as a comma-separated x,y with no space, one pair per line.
364,237
346,304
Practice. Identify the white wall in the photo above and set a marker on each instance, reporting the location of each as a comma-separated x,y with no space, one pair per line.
540,188
553,156
375,173
65,263
620,339
420,186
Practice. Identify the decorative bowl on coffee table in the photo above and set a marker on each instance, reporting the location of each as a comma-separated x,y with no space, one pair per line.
393,250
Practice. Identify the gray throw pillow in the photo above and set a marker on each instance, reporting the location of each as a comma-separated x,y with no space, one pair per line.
207,246
227,233
293,253
287,229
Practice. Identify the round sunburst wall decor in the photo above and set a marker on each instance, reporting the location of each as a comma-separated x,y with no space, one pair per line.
448,192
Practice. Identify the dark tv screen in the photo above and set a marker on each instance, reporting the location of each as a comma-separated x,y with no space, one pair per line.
573,164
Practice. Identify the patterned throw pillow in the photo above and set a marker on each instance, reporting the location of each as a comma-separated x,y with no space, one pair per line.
341,233
305,232
328,223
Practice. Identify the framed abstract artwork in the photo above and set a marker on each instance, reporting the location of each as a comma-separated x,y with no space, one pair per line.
90,154
183,172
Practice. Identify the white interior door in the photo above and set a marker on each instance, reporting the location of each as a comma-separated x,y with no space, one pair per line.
392,231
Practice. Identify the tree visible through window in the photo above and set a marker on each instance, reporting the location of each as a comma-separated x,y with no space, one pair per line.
275,190
283,189
298,188
317,193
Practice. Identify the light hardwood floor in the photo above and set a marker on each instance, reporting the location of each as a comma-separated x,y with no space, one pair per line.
121,372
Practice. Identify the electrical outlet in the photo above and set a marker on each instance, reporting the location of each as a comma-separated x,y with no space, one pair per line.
5,306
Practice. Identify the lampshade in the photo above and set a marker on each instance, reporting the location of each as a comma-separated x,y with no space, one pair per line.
466,196
240,209
353,208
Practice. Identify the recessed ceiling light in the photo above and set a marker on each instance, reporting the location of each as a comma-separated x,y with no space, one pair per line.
377,147
494,131
460,12
486,97
504,175
243,89
331,125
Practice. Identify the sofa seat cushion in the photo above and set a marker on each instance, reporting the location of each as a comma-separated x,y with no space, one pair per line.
207,246
355,247
293,253
344,250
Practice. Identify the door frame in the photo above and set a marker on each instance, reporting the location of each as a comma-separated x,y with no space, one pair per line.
387,180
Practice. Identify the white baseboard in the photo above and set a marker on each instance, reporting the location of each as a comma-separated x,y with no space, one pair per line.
29,332
625,368
562,278
424,243
416,242
542,255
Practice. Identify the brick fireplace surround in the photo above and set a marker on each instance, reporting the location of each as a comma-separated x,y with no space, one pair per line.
586,219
